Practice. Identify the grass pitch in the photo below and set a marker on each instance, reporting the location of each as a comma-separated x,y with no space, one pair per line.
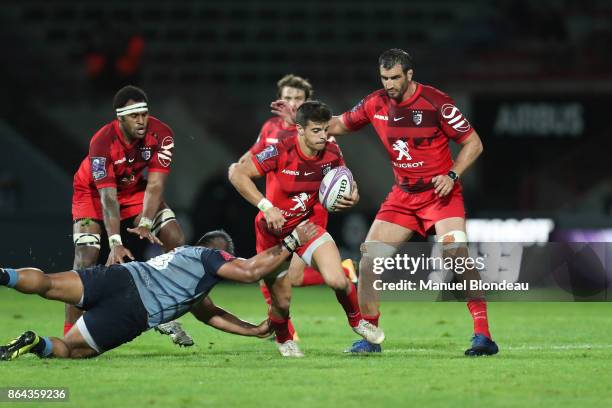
551,355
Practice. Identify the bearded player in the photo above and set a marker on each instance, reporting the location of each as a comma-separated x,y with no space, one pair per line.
415,123
294,91
111,192
295,168
123,301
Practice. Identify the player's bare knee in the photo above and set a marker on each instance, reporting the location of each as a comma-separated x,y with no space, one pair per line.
337,282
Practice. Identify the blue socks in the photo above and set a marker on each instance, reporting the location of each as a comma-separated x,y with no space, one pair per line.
8,277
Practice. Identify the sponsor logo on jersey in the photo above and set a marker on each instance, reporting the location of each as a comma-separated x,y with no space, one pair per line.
403,153
291,172
381,117
145,153
119,161
98,168
300,202
454,118
271,140
308,173
417,117
164,155
265,154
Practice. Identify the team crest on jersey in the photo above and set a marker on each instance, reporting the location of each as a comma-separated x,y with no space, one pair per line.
417,117
265,154
145,153
98,168
326,168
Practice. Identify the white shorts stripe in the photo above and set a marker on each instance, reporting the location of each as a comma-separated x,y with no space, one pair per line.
307,256
85,333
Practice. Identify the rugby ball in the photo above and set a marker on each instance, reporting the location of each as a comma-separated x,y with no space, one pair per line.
338,182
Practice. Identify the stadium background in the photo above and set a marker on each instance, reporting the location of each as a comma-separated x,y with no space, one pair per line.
534,78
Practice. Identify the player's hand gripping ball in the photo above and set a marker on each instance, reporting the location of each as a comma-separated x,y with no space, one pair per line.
337,183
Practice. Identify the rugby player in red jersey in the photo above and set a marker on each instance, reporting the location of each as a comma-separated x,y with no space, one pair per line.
415,123
295,168
293,90
111,191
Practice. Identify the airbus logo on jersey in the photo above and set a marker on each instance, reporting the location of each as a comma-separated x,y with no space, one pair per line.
381,117
454,118
290,172
403,153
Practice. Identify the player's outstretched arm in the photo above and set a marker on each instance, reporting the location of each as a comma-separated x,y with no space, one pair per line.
241,176
209,313
253,269
112,222
152,200
283,109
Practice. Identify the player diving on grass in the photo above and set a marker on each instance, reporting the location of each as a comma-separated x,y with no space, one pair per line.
295,168
294,91
123,301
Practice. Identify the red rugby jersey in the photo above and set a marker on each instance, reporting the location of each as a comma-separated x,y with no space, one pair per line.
112,162
414,132
293,179
273,131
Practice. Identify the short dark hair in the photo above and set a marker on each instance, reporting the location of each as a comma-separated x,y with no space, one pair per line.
314,111
210,236
294,81
126,93
394,56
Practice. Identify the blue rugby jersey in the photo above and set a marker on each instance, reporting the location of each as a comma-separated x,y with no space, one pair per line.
170,283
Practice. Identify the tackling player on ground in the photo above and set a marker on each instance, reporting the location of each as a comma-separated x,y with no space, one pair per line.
295,168
110,190
123,301
415,122
294,91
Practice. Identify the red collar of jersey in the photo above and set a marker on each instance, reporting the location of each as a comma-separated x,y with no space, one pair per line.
413,98
301,154
120,135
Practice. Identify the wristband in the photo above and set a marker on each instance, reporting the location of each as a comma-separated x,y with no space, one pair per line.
114,240
264,205
145,222
290,242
